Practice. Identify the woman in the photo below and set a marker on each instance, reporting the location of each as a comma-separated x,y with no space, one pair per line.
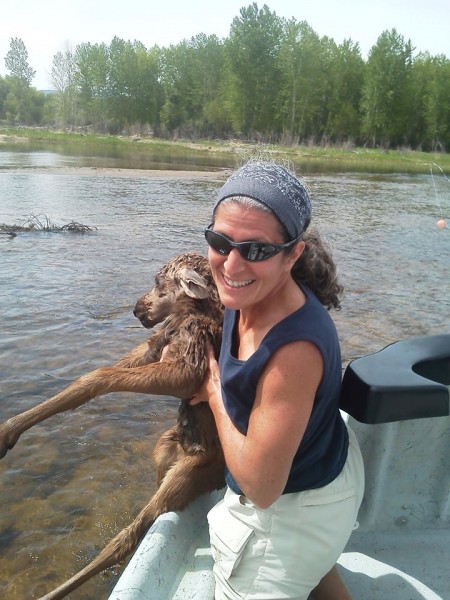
294,471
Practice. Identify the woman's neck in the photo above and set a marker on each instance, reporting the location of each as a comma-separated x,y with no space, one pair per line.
254,322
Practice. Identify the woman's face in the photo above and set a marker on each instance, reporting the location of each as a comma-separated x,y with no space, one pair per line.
243,284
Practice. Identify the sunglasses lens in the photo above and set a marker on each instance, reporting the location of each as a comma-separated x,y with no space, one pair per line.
256,251
218,242
251,251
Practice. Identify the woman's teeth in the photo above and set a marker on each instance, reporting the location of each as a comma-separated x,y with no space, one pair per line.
237,284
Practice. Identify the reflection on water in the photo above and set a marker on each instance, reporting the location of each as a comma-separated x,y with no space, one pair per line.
66,307
113,157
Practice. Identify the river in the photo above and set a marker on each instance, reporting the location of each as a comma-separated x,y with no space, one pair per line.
66,304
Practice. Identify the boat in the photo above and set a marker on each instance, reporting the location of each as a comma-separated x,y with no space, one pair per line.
397,401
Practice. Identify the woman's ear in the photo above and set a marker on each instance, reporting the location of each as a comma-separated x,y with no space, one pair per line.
296,252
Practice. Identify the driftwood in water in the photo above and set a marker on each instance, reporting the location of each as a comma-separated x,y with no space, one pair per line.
43,223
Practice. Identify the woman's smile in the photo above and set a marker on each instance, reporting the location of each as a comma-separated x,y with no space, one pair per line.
237,284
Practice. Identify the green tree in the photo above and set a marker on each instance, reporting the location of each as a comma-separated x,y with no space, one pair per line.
423,132
134,88
442,141
386,93
92,64
64,79
149,89
210,66
4,88
325,85
191,77
252,51
347,75
176,79
10,107
19,107
16,62
19,104
310,85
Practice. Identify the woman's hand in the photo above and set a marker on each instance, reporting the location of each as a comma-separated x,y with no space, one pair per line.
211,384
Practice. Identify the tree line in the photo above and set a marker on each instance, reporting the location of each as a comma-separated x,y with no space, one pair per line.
272,79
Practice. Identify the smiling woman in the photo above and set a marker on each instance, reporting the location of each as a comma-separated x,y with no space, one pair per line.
291,462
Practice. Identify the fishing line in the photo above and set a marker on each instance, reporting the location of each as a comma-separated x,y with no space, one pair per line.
441,222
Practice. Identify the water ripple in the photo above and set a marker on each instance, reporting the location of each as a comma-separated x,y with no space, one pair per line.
65,308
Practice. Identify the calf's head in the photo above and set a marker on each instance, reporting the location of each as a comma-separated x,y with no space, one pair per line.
187,274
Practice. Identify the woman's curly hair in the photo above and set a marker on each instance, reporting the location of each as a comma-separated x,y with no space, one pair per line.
317,269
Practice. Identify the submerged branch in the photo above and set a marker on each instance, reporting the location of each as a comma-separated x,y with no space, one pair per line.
43,223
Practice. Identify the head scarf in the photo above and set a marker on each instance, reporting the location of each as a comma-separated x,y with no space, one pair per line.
275,187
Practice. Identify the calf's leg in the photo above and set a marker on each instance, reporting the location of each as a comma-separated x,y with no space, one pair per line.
166,378
191,477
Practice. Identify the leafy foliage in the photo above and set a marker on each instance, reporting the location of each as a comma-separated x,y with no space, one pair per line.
271,79
16,61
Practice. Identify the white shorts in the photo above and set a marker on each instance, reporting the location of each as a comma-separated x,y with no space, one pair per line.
285,550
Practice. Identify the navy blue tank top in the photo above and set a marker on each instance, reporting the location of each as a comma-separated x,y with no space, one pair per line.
323,450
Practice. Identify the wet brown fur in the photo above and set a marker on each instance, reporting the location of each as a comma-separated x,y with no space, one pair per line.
185,306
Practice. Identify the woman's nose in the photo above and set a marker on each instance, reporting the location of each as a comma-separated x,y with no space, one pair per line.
234,260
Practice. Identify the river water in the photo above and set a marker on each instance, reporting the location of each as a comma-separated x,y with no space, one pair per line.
66,304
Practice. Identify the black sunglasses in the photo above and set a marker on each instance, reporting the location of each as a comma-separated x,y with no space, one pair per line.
252,251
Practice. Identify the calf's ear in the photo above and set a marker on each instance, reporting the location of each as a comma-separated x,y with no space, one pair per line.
193,284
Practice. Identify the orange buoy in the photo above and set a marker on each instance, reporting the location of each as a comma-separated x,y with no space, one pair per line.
441,223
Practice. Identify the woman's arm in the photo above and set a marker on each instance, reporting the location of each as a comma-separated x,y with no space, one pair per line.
261,460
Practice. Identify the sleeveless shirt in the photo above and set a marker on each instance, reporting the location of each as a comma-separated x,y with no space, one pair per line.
323,449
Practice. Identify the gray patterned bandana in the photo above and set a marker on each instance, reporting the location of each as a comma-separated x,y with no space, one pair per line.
275,187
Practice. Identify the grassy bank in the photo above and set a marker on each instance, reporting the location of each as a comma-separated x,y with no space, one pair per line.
306,158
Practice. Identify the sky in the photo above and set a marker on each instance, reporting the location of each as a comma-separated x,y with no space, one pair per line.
49,26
